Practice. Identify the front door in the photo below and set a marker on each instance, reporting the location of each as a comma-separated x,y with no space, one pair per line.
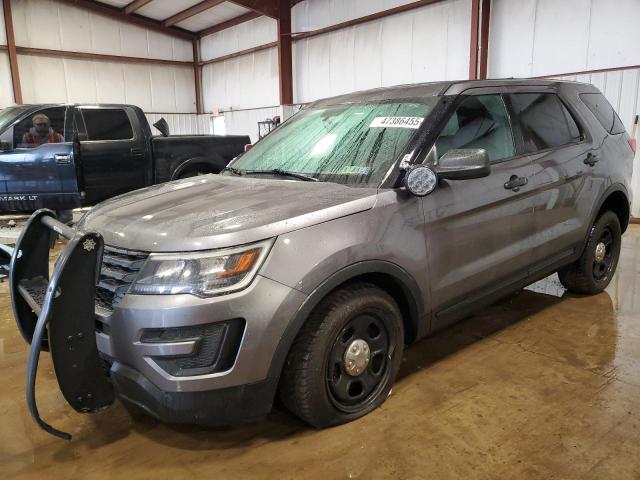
37,163
478,231
111,153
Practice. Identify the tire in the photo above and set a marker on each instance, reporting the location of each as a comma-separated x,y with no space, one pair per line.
315,384
589,274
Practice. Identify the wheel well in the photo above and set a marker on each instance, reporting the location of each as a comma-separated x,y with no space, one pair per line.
618,203
193,167
399,293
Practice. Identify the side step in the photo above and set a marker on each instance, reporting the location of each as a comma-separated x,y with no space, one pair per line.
57,312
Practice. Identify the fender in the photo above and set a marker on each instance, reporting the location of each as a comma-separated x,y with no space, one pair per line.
214,161
616,187
406,281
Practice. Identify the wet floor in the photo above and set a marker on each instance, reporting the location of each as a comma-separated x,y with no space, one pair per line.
543,385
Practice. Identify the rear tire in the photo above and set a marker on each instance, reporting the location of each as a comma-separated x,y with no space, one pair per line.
593,271
330,376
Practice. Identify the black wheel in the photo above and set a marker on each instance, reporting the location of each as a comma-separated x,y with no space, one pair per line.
345,359
593,271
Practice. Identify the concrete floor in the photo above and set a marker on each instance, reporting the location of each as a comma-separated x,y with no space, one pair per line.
543,385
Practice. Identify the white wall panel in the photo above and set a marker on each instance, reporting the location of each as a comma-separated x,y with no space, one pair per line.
181,124
6,89
3,33
60,26
249,34
315,14
245,122
547,37
154,88
425,44
243,82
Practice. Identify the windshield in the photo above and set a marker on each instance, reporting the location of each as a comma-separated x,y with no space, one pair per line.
353,144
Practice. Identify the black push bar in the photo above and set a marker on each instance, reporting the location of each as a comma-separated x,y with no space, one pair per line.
57,312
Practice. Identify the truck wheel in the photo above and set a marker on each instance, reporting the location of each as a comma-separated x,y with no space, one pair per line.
592,272
346,357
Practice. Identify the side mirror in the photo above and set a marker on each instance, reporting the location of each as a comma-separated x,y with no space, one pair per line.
163,127
464,164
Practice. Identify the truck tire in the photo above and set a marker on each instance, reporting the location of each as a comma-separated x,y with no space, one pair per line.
593,271
345,359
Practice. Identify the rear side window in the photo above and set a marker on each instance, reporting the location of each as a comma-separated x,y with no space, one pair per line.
545,121
107,124
603,111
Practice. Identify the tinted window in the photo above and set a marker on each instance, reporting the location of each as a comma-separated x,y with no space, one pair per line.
107,124
479,122
603,111
39,128
545,121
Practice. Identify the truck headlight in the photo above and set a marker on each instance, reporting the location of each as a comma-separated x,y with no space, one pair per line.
203,274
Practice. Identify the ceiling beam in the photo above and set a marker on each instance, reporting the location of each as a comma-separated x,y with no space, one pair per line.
191,11
269,8
117,14
135,5
228,24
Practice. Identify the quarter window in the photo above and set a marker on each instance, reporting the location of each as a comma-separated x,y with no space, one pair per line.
479,122
545,121
603,111
107,124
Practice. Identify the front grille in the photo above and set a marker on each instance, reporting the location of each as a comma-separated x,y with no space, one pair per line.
119,270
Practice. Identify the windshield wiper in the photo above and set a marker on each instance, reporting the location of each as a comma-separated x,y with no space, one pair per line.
232,170
283,173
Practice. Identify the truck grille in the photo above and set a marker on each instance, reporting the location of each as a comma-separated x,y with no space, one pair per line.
119,270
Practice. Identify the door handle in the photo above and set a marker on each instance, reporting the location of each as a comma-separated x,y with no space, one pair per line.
591,159
62,158
515,182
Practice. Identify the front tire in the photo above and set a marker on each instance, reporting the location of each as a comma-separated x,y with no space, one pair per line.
593,271
346,357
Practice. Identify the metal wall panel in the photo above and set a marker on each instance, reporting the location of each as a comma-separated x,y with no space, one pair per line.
249,34
182,124
3,33
245,122
6,89
547,37
244,82
426,44
60,26
154,88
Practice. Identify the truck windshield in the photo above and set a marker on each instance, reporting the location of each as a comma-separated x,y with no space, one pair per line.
353,144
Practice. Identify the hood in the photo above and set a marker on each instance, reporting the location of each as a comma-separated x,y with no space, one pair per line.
214,211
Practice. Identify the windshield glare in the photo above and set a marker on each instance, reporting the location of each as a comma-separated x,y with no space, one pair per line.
353,144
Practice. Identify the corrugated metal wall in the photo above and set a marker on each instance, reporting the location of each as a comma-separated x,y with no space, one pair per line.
182,124
54,25
425,44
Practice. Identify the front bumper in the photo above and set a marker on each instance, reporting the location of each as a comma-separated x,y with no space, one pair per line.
243,390
226,406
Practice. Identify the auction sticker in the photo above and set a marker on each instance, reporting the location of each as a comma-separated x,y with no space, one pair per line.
397,122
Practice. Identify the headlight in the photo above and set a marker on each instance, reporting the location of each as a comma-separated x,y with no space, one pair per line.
203,274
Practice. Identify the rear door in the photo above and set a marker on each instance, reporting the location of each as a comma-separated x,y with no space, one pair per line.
38,163
555,142
112,152
478,231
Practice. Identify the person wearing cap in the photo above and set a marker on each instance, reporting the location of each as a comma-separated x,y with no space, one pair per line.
41,132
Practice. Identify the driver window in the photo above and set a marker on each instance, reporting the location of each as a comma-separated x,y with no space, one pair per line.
479,122
39,128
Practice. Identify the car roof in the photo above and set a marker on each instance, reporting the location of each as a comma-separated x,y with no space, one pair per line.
455,87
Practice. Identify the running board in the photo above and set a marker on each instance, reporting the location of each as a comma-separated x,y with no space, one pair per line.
57,312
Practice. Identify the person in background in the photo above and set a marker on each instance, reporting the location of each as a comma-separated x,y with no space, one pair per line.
41,132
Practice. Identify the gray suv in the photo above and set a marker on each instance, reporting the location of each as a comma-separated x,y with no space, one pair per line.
361,225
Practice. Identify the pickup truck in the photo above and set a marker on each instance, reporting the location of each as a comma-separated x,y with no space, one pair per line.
66,156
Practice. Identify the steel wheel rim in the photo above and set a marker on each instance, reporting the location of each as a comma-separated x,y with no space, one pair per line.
602,268
350,392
